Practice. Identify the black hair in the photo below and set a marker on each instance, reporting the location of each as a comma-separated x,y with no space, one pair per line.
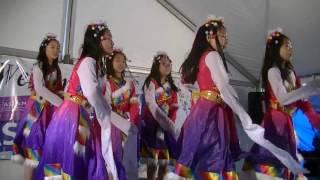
272,58
108,64
155,74
190,67
92,42
42,59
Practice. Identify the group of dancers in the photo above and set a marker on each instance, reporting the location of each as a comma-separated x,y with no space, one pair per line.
97,128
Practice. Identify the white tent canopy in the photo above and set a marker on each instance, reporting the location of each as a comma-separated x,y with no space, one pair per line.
249,20
143,27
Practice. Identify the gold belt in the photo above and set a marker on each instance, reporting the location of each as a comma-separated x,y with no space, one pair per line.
277,106
208,95
77,99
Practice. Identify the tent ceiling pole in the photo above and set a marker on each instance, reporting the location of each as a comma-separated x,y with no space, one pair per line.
67,19
65,39
175,12
241,69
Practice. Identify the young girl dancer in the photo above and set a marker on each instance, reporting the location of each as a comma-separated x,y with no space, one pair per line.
283,95
159,113
121,94
46,95
73,147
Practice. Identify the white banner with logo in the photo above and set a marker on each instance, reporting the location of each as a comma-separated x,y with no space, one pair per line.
14,92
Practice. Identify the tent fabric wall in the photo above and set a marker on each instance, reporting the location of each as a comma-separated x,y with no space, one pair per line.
25,23
249,20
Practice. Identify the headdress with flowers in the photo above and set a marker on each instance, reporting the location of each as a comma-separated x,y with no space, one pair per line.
97,29
159,55
49,37
116,50
273,36
212,24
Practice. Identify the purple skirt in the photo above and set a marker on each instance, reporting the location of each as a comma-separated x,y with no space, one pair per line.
73,146
116,138
156,143
209,143
31,129
278,130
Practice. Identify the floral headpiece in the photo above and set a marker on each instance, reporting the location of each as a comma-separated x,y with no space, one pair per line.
115,51
159,55
48,38
97,28
273,36
213,23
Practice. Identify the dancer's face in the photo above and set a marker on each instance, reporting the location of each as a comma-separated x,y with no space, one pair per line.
107,43
286,50
52,50
222,38
119,63
165,66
